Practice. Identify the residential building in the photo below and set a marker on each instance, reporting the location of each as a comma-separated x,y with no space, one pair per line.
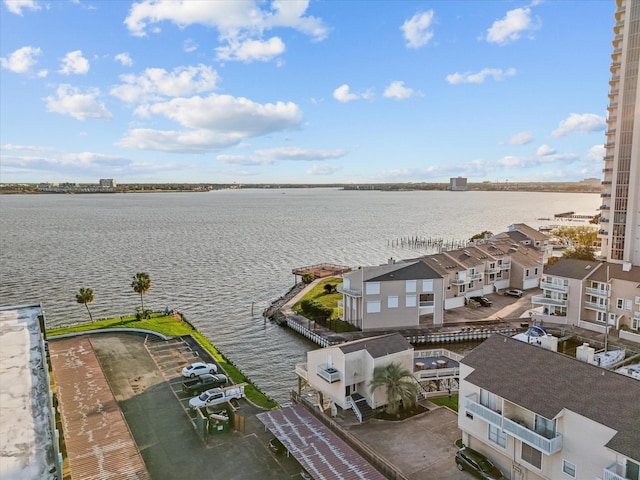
107,183
591,295
539,414
620,210
394,295
30,447
344,371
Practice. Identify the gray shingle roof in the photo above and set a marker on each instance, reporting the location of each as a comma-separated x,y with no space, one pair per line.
377,346
547,382
572,268
412,271
615,273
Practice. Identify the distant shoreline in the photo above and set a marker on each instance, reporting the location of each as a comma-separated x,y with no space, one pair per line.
559,187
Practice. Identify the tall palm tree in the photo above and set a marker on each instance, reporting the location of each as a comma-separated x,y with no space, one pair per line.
85,296
399,383
141,284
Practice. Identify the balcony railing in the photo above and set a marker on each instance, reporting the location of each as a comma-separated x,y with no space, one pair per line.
330,374
301,370
475,276
459,281
546,445
636,315
596,292
544,300
598,307
615,472
505,266
351,292
554,286
605,207
430,303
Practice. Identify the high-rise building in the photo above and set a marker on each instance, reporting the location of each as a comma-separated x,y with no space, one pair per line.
620,209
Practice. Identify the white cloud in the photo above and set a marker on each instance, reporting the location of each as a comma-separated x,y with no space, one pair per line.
189,45
250,50
596,153
74,62
545,150
521,138
417,30
244,160
70,101
398,91
124,58
157,83
176,141
16,6
240,24
322,169
511,26
216,121
8,147
301,154
21,60
580,123
479,77
343,94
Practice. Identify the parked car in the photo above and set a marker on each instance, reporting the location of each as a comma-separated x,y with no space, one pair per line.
197,385
477,464
484,301
216,396
277,447
514,292
199,368
473,303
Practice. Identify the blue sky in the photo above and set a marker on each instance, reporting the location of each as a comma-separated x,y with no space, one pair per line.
286,91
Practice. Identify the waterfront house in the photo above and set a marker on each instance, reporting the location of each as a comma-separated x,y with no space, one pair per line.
591,295
543,415
342,373
394,295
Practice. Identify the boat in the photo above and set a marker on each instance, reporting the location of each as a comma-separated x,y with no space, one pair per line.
632,370
534,334
607,359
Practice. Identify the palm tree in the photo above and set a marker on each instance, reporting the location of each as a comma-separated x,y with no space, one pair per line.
85,296
141,284
399,383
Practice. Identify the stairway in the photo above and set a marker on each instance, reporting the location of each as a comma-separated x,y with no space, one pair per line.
359,402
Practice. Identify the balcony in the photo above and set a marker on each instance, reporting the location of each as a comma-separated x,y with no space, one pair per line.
349,292
603,232
605,207
615,472
609,145
544,300
612,105
596,306
505,266
328,373
475,276
554,286
596,292
459,281
604,220
548,446
602,195
489,271
301,371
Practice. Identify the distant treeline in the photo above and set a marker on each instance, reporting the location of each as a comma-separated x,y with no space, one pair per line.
567,187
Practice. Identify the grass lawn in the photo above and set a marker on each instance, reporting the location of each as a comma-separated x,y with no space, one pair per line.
445,401
319,294
172,327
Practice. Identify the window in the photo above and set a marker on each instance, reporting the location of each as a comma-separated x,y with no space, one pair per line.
427,285
531,455
373,288
346,283
462,288
526,272
410,301
620,303
411,286
497,436
535,271
373,307
569,468
392,302
627,305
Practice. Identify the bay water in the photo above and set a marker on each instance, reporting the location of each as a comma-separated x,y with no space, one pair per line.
219,256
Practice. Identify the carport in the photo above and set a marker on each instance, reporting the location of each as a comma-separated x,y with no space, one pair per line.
318,449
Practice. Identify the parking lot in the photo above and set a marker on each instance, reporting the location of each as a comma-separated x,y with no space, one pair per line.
146,381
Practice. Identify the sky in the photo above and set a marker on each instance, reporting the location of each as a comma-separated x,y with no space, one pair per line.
288,91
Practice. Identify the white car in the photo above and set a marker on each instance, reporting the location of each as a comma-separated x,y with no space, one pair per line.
199,368
514,292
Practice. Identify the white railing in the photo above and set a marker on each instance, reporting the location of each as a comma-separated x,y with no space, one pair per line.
596,292
437,373
349,403
470,404
301,371
437,352
600,307
349,291
547,446
426,304
330,374
617,471
554,286
544,300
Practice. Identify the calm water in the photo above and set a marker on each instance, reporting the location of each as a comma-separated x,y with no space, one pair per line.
212,255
